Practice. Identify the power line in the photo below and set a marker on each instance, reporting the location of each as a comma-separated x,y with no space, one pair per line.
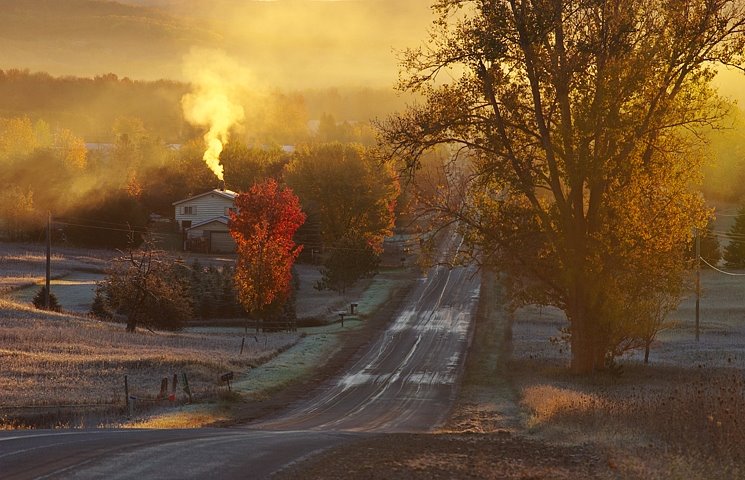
726,234
91,220
727,215
720,270
134,229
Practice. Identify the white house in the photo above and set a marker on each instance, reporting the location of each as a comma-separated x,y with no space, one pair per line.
204,219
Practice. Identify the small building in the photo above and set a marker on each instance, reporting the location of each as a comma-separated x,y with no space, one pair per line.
203,220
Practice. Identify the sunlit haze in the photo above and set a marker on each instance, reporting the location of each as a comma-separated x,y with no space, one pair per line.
295,44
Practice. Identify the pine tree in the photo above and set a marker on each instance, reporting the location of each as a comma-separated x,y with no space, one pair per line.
39,300
734,252
99,307
351,259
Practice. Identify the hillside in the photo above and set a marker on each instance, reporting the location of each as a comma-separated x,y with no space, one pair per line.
88,37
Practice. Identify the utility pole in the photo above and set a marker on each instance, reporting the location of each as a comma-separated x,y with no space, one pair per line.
698,279
49,259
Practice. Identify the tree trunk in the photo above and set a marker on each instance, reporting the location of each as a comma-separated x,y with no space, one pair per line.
588,346
583,360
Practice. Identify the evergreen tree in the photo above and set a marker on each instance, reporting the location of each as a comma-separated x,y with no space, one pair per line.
100,307
39,300
734,252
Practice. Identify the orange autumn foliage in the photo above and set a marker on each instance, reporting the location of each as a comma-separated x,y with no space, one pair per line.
268,216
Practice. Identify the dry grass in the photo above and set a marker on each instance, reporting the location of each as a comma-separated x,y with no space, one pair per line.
49,358
682,416
705,413
196,417
695,421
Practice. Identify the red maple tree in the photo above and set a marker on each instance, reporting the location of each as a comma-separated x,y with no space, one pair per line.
268,216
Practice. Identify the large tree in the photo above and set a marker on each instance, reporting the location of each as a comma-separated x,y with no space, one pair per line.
351,259
353,196
246,165
351,192
576,120
348,189
268,216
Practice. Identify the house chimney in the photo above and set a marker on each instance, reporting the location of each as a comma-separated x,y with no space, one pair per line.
222,186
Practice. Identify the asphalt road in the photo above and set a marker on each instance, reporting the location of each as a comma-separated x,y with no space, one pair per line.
405,381
155,454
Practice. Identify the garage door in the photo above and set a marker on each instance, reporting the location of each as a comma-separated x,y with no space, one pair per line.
221,242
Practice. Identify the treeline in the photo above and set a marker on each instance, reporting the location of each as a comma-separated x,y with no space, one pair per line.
90,108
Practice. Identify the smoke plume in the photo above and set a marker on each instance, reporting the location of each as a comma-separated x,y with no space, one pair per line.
214,101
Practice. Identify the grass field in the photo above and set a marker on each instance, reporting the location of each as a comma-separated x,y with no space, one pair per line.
681,416
52,359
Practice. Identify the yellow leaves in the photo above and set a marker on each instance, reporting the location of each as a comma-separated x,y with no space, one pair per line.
348,189
71,148
16,137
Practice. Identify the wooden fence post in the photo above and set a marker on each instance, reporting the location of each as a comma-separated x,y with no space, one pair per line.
186,385
126,392
163,388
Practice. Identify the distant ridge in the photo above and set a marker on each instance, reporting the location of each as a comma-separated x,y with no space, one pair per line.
87,37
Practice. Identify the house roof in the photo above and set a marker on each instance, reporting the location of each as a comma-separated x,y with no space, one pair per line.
229,194
221,219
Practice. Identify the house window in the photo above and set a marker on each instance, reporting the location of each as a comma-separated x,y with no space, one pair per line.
189,210
230,209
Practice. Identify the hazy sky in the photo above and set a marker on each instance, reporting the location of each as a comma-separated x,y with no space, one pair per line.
282,43
309,42
338,42
285,43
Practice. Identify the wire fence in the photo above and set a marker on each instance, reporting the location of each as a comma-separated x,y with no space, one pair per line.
174,390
